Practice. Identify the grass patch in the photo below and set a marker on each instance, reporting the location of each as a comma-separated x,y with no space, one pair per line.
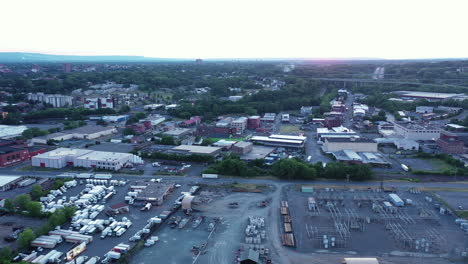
440,165
33,168
462,214
135,172
168,173
410,179
290,129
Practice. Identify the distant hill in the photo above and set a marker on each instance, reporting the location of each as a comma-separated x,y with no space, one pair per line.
19,57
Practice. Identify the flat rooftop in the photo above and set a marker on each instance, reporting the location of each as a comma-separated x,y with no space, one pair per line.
428,95
6,150
89,129
414,126
104,156
197,149
4,179
155,191
242,144
62,152
272,140
349,140
177,132
258,152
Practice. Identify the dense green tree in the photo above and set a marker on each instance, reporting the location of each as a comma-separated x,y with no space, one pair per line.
25,238
36,192
22,201
9,205
34,209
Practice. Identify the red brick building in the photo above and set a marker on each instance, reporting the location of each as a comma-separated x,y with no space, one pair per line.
450,143
11,155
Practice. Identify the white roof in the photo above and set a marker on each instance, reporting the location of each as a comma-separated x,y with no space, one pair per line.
361,261
455,126
104,156
352,154
260,138
288,137
62,152
4,179
8,131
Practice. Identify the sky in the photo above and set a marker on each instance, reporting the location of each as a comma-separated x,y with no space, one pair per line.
391,29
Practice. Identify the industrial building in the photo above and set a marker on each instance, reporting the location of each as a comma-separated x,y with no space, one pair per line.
154,193
153,106
353,157
281,141
242,147
7,132
84,132
56,100
6,182
428,95
416,131
399,143
178,132
114,119
335,132
154,119
450,143
86,158
201,150
354,144
10,155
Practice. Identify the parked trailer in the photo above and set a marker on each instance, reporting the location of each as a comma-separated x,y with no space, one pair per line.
396,200
103,176
84,175
404,167
93,260
209,176
26,182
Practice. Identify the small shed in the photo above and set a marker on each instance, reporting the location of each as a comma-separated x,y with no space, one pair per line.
119,208
250,257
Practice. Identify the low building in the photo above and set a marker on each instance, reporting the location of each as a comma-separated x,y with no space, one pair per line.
153,106
399,143
10,155
242,147
114,119
119,208
250,257
178,132
84,132
154,193
354,144
286,141
7,182
424,109
85,158
193,121
225,144
427,95
268,118
335,132
235,98
353,157
416,131
200,150
154,120
450,143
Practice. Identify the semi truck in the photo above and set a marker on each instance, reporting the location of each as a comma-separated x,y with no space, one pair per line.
209,176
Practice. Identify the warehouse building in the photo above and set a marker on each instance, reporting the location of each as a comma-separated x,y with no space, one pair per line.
416,132
178,133
86,158
84,132
335,132
7,182
7,132
280,141
354,144
201,150
154,193
10,155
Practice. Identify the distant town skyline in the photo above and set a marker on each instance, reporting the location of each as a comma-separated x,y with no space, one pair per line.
212,29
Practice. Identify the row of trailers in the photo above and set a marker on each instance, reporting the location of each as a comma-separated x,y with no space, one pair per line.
288,236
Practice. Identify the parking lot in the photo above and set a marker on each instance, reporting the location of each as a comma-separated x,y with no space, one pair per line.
99,247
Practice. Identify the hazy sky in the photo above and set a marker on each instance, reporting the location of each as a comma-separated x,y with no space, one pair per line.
238,29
